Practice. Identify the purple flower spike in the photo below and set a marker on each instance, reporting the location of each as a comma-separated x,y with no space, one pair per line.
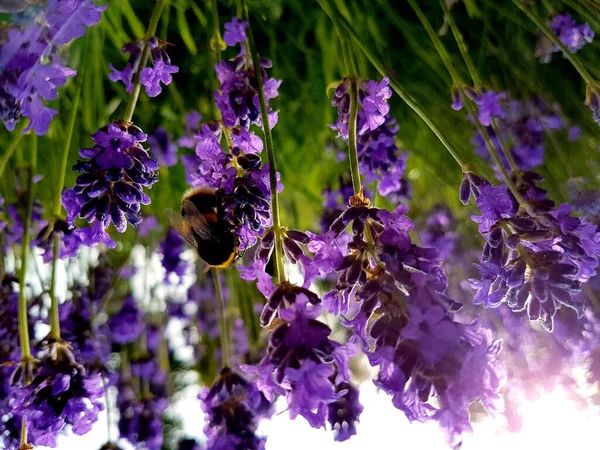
111,185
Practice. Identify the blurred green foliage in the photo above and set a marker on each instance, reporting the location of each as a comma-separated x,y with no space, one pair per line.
301,41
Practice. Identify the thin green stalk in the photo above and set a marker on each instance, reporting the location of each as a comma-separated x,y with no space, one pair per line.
223,329
23,322
491,149
462,46
352,151
279,269
467,101
54,319
137,83
69,135
12,147
412,103
573,59
108,409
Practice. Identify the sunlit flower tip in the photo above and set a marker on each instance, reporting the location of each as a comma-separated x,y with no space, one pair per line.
235,32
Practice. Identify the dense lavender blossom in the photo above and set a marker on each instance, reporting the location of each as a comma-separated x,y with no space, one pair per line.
89,340
379,157
301,359
171,248
521,124
232,406
61,393
111,186
140,417
536,255
394,298
440,231
162,147
573,35
30,66
127,324
237,96
150,77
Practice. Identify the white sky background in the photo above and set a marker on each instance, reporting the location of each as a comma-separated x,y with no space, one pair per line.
552,422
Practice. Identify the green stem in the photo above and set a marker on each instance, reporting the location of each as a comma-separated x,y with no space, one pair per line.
54,319
352,151
23,326
412,103
108,409
223,330
573,59
69,135
491,148
462,46
137,84
466,100
23,322
12,147
279,269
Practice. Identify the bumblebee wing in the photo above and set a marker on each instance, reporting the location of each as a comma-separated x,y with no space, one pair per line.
197,221
176,221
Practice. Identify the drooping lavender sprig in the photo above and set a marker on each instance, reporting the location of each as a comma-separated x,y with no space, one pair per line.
574,36
392,294
150,77
61,393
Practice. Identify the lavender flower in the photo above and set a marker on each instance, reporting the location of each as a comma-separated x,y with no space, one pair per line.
30,64
162,147
379,157
150,77
140,417
440,231
232,405
237,96
536,256
574,36
392,294
235,32
344,413
127,324
301,359
61,393
192,127
110,189
171,248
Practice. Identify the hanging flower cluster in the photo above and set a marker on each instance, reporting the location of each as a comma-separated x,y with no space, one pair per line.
150,77
239,176
61,393
379,157
30,65
392,294
573,35
111,186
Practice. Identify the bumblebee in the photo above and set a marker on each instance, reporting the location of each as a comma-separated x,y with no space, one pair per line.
202,224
